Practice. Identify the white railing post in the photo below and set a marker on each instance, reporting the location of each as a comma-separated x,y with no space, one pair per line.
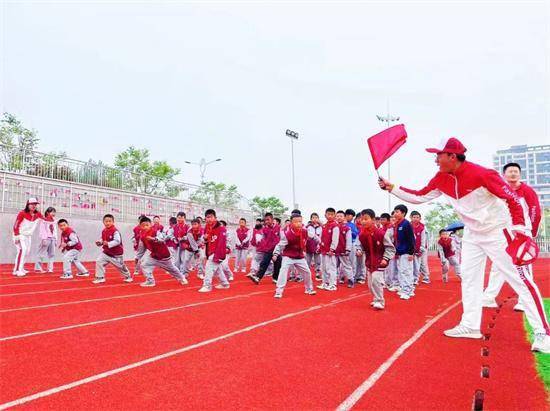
96,201
42,193
4,190
122,206
70,198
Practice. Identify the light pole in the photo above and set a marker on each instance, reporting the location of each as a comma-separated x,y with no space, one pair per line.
202,166
293,136
388,119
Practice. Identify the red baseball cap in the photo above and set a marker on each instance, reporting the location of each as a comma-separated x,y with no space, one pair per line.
450,145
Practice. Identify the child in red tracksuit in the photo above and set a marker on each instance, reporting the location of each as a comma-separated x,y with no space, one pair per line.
135,240
447,254
330,236
376,244
71,248
216,252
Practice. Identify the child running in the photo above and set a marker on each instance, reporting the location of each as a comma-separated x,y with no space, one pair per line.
71,247
447,254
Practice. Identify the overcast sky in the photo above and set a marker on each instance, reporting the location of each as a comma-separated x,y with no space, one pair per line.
189,80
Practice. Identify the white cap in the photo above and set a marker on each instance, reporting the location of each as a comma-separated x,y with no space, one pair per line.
33,200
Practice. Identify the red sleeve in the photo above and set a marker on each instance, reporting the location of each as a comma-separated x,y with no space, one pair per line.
498,187
221,245
19,219
533,206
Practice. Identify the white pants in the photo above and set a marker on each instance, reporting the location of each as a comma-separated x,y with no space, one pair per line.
405,274
420,266
390,275
104,260
345,269
240,260
376,286
23,250
475,250
329,269
149,263
46,252
72,257
224,266
496,281
212,268
300,267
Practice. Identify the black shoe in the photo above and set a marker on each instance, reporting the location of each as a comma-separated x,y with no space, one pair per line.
351,284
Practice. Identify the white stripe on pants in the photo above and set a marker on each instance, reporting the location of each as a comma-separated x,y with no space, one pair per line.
475,250
300,267
211,269
149,263
104,260
46,251
328,269
23,250
72,257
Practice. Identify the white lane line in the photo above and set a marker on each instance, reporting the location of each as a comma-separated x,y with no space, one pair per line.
356,395
125,317
97,287
96,377
116,297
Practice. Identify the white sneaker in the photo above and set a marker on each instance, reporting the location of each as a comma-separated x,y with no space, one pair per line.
278,295
310,292
86,274
377,306
541,343
321,286
66,276
205,289
184,281
148,283
128,280
519,307
461,331
405,297
392,288
331,288
371,303
20,274
486,303
200,277
98,281
230,278
222,287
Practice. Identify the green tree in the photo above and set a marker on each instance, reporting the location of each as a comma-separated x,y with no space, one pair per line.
16,143
217,194
440,216
146,176
262,205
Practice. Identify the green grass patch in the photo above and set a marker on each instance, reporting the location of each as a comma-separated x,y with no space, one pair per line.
542,360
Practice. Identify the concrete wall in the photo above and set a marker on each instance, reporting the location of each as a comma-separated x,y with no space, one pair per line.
89,231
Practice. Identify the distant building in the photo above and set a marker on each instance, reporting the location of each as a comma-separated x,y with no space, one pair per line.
535,167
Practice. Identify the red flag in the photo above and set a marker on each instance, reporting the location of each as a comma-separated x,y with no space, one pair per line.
384,144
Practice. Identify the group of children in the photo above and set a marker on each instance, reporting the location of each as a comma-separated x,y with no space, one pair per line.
387,251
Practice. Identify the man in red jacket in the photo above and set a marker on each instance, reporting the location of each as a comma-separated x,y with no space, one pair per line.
532,214
215,238
487,205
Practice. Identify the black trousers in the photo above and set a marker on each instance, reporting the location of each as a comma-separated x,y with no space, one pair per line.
264,264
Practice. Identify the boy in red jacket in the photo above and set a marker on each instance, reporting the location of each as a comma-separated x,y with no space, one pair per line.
292,247
153,240
329,241
215,238
420,262
112,252
343,250
242,242
447,255
71,248
135,240
376,244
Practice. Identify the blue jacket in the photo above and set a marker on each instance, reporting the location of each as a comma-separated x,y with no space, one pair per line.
354,231
404,241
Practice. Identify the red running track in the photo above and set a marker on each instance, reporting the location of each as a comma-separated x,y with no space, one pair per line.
120,346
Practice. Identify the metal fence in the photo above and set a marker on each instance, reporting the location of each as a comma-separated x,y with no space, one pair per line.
96,174
76,199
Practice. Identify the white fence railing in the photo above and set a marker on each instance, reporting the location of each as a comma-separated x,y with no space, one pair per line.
77,199
97,174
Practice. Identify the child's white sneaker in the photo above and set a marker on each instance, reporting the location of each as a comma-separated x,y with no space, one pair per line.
222,287
184,281
66,276
128,280
205,289
377,306
98,280
148,283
